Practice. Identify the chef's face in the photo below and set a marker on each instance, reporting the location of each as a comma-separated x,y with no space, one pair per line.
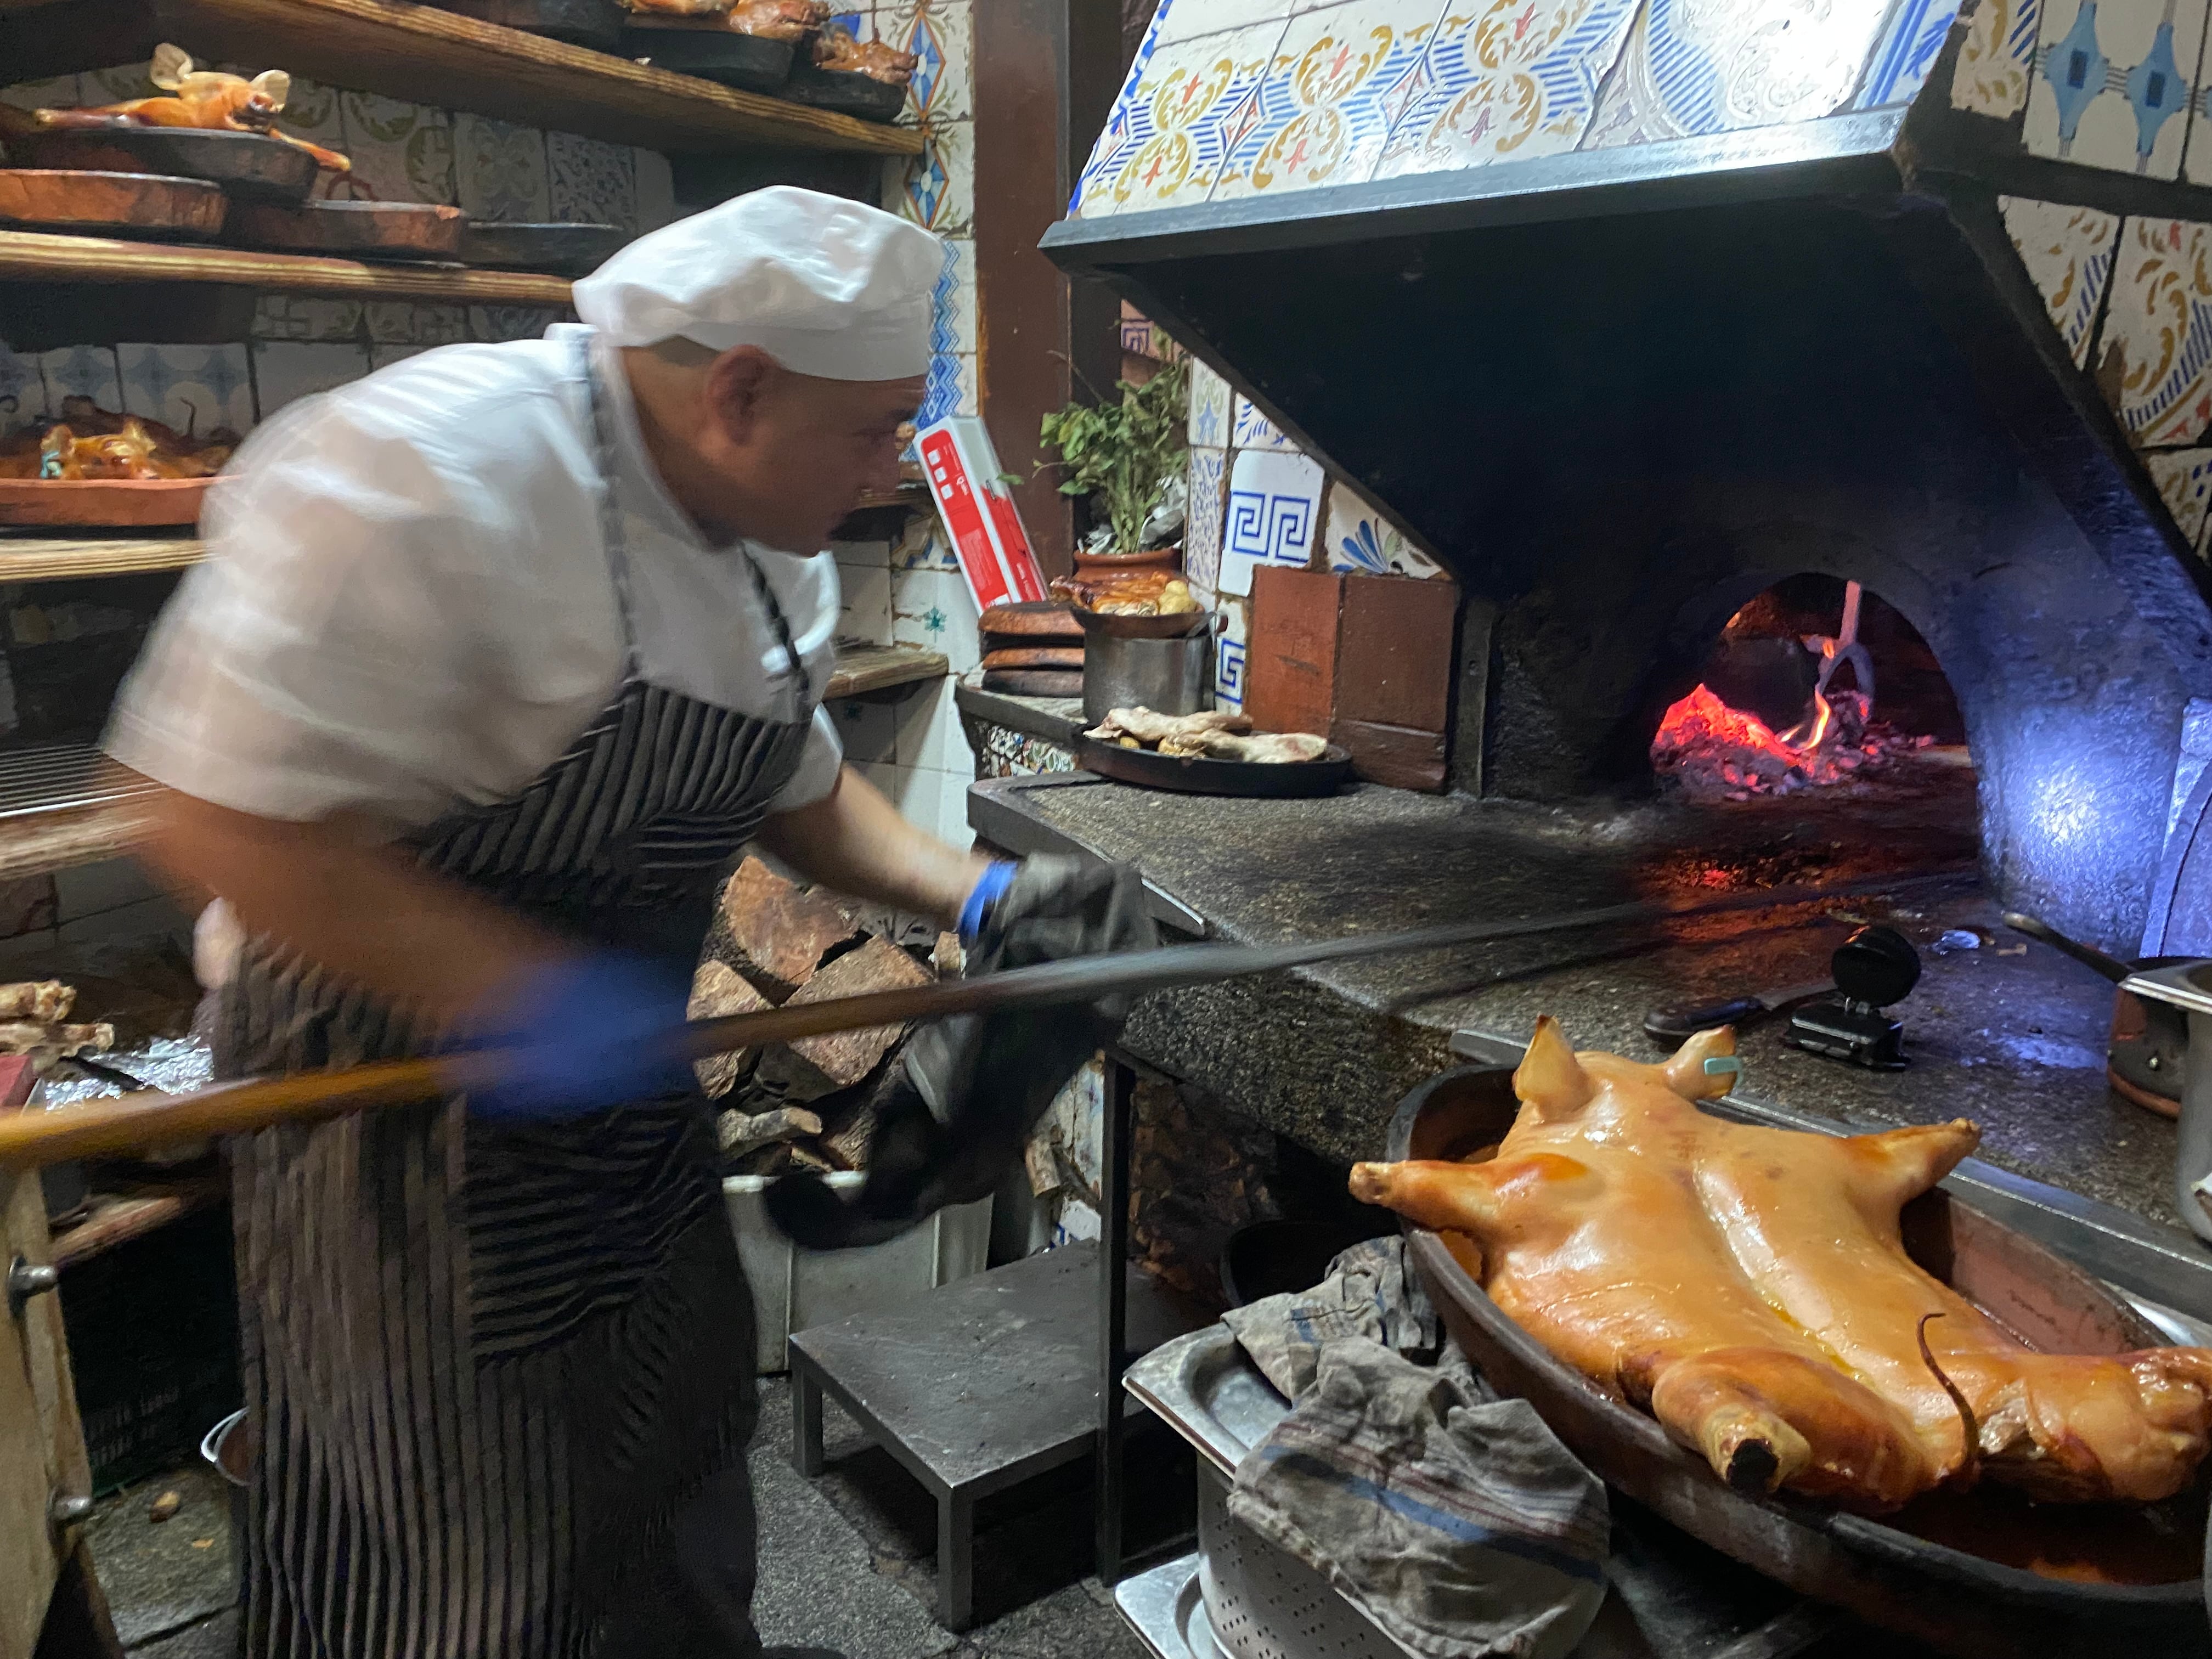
796,453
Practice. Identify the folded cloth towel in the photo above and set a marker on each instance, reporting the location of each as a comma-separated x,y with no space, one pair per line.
1452,1518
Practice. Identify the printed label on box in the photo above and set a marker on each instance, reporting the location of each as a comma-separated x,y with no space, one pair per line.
994,550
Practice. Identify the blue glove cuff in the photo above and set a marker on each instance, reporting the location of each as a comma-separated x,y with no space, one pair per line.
992,883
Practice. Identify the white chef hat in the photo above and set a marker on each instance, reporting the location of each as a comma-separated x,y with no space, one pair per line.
825,286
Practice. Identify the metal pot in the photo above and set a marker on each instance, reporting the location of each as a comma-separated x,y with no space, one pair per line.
2146,1057
2187,986
1169,676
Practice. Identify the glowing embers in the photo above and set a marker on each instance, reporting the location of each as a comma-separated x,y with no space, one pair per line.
1712,750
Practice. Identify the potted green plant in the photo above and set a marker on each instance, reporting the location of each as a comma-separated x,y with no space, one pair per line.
1125,457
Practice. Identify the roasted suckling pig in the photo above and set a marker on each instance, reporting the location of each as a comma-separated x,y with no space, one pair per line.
207,98
90,442
1214,733
1134,594
779,19
1748,1286
836,49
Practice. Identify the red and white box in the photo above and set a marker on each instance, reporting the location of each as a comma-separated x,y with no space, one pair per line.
965,479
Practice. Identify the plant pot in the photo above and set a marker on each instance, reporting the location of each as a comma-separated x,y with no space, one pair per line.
1102,564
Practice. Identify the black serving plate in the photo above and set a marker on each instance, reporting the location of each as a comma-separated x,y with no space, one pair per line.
720,55
248,166
1197,776
561,250
594,23
848,94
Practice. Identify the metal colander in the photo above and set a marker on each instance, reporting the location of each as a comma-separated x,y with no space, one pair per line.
1262,1602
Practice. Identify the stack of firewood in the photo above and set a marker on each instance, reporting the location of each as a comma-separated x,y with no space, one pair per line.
810,1103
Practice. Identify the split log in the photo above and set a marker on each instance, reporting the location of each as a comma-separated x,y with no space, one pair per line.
843,1058
737,1134
718,989
780,932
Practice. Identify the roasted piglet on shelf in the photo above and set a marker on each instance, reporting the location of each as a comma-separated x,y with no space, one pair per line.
837,50
87,441
210,99
778,20
1748,1286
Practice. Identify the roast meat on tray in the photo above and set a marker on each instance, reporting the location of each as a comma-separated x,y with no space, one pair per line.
1748,1286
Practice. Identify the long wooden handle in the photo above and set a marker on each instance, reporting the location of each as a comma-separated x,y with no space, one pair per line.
133,1122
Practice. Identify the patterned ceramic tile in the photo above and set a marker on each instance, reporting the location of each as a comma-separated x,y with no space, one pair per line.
401,152
1275,503
2184,478
1250,429
1196,101
590,182
302,317
1693,67
1210,400
1996,59
499,170
512,322
81,372
1229,644
960,300
941,34
1202,535
1187,19
2154,352
397,323
59,92
2068,251
934,610
656,191
938,190
1504,79
285,371
2111,76
1337,81
194,388
923,545
1357,537
1110,148
942,392
1916,33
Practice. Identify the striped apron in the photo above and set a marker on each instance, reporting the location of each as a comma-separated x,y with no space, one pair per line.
502,1378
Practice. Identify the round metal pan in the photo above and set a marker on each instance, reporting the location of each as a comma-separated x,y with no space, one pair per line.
1290,780
848,94
361,230
248,166
1959,1603
718,54
594,23
559,250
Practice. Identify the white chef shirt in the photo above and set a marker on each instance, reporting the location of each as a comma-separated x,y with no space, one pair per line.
408,605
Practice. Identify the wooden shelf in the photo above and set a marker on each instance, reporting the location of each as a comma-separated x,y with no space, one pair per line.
35,256
430,57
62,559
880,667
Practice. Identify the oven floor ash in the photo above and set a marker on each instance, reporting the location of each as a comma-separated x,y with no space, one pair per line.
846,1563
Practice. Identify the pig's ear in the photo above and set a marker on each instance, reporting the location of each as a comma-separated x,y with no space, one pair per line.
1689,1075
1549,1078
170,67
274,85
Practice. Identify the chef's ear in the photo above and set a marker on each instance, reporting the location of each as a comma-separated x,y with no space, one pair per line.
737,382
170,66
274,85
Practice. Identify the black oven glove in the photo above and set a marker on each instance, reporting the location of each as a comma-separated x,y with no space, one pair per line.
958,1113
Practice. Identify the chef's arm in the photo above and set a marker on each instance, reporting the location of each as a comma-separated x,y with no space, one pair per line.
854,840
368,914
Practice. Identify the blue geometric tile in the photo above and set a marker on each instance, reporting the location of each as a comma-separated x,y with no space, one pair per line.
81,371
1916,33
1229,648
1252,430
1209,408
2113,82
1996,58
1504,82
1274,507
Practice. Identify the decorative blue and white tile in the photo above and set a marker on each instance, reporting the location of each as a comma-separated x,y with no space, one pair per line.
59,92
2155,348
934,610
1136,332
864,611
1332,91
1505,80
383,355
1690,68
81,371
23,389
1114,142
938,190
590,182
397,322
1252,430
199,389
1198,99
923,544
284,372
1915,33
1996,59
1274,507
500,172
1233,634
401,152
2113,82
513,322
2067,252
941,35
959,300
656,191
1210,402
1201,532
304,317
1358,538
1187,20
2184,478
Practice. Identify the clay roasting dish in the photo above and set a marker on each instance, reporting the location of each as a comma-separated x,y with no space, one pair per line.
1952,1570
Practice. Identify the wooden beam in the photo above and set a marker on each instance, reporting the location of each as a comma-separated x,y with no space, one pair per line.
36,256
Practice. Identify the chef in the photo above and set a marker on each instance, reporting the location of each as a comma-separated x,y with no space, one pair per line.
500,656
